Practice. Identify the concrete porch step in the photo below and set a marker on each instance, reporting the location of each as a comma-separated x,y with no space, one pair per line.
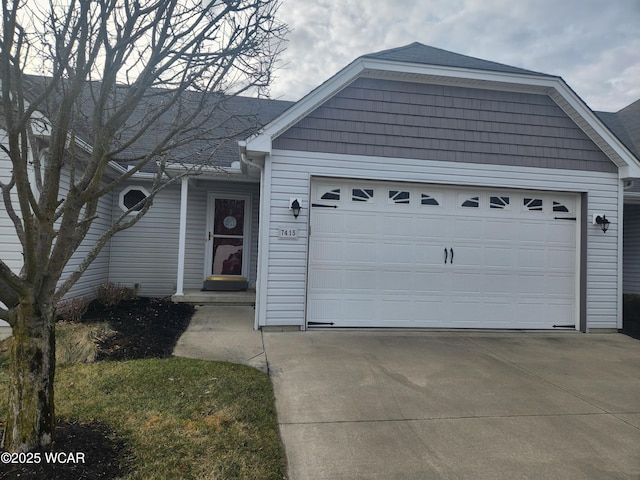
200,297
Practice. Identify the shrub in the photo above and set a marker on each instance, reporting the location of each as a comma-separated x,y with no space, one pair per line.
111,294
73,309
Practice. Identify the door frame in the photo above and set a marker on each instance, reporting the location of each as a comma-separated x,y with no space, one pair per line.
208,233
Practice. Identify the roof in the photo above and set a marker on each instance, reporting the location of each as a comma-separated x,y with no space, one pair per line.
425,55
625,124
212,138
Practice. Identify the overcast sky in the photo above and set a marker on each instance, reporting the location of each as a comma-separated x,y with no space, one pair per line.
594,45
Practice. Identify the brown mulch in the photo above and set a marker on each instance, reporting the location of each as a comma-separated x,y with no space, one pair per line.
144,328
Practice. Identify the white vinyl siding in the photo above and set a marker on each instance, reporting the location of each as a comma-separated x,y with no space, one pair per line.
98,271
147,253
291,174
9,243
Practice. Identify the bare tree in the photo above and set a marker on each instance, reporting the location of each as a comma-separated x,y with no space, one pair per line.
112,72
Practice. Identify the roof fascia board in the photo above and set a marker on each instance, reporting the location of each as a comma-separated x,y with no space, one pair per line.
595,129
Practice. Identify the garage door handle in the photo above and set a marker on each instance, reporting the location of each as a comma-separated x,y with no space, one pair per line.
445,255
452,256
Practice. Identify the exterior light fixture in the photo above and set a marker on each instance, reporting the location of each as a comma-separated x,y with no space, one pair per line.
295,206
601,219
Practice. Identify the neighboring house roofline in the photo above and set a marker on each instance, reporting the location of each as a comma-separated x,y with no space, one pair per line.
520,80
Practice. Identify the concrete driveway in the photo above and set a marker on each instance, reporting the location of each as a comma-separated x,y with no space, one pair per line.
441,405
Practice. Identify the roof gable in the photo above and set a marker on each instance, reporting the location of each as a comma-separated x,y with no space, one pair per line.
422,64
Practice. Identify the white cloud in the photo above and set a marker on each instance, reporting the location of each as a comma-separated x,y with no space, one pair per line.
593,44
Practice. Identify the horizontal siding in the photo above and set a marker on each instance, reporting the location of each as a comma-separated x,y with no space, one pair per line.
291,174
98,272
147,253
631,259
456,124
10,248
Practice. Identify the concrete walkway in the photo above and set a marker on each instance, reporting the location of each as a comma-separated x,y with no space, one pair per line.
441,405
221,332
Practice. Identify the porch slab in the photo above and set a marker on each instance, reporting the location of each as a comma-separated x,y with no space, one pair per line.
200,297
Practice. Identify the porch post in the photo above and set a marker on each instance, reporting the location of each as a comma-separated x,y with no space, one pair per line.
182,240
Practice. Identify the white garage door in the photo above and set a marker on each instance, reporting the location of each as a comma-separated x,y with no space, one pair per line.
404,255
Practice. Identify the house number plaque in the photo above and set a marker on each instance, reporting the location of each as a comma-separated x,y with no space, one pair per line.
288,232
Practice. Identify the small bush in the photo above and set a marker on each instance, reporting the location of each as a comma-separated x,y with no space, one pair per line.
111,294
73,309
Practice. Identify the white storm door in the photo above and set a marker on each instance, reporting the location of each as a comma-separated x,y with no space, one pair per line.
228,227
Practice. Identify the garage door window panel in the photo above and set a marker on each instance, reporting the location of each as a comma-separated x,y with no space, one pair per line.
364,195
470,202
330,193
532,204
501,203
430,200
560,207
401,197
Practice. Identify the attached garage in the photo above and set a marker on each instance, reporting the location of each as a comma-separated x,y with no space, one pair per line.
437,190
385,254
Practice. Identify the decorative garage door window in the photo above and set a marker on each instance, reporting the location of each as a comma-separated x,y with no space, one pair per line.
399,196
333,194
560,207
429,200
532,204
362,195
472,202
499,202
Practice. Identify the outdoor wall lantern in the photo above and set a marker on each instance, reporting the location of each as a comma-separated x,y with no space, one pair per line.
295,206
601,219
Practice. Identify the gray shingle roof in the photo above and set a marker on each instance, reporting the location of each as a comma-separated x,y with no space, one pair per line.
212,140
625,124
425,55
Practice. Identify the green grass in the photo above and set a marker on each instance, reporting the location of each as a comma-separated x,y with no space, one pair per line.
181,419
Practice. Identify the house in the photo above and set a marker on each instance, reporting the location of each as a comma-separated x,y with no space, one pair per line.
415,188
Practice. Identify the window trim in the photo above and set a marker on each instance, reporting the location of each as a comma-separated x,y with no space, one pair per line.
128,189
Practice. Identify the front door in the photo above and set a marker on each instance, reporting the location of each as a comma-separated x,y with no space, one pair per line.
227,236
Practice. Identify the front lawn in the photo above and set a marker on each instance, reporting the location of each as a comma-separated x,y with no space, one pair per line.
153,418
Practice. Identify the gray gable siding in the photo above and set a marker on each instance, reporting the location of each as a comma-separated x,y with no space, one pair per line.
437,122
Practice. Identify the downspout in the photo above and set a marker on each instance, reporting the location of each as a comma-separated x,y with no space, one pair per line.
260,300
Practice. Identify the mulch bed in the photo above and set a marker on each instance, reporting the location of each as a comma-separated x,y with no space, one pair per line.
144,328
103,456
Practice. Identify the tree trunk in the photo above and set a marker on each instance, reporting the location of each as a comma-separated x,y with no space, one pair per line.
31,420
